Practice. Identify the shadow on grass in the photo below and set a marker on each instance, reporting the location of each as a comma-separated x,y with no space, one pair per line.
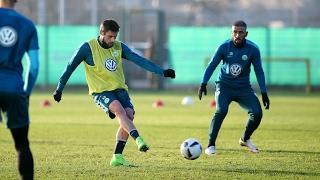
276,151
269,172
54,143
273,172
256,172
291,130
220,149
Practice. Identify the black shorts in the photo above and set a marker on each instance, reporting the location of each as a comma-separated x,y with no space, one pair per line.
15,107
104,99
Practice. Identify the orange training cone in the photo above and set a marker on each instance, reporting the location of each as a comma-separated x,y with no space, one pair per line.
46,103
213,103
158,103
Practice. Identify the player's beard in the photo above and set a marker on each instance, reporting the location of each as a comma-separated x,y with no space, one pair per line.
107,45
238,42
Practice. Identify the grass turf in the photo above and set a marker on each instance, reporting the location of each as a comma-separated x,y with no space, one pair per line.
75,140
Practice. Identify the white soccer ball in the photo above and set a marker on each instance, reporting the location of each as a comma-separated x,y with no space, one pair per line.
191,149
187,100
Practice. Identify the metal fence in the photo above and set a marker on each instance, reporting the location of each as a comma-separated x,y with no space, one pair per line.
188,54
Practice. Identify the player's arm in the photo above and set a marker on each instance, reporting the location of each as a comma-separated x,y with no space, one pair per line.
257,65
128,54
33,62
212,65
78,56
33,70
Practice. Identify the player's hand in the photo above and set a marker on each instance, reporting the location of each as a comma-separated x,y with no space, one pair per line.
202,89
265,100
169,73
57,95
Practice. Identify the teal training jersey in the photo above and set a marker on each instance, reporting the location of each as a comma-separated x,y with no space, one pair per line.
17,36
236,64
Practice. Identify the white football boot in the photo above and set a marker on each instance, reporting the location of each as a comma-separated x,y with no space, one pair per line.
249,145
211,150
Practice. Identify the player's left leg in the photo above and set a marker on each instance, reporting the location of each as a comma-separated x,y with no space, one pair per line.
15,105
223,99
25,159
250,102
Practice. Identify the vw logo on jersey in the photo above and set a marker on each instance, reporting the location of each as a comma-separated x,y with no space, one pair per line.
235,69
244,57
110,64
8,36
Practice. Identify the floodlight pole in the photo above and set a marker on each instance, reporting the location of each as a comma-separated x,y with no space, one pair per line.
94,12
42,20
61,12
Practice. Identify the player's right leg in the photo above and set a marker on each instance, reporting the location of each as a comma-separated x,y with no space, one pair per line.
223,99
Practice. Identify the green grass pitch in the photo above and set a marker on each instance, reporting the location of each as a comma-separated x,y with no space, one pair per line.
75,140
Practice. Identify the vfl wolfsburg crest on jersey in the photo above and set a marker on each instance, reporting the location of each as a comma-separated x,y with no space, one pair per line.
110,64
8,36
244,57
235,69
115,54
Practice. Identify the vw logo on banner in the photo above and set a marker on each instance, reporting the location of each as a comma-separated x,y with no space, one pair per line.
235,69
8,36
111,65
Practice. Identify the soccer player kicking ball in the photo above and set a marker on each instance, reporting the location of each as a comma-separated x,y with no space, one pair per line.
233,84
102,58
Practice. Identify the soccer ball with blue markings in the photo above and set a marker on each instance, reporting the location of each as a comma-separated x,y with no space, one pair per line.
191,149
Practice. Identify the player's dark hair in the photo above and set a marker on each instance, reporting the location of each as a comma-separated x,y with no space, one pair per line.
240,23
110,25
